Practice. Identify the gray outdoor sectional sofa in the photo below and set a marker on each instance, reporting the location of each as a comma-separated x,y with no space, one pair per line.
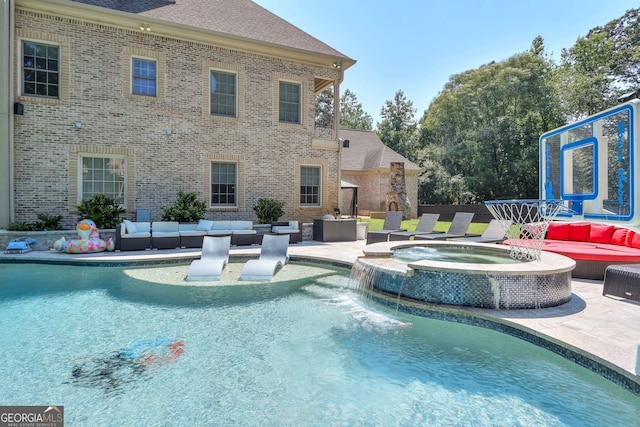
132,236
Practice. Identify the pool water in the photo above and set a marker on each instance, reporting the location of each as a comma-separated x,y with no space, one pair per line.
458,254
305,352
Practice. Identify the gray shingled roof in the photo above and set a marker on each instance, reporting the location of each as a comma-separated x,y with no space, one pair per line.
241,18
366,151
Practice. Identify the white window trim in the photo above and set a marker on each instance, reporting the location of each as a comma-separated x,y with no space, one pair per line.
132,53
320,192
237,96
82,156
300,104
144,58
63,65
237,186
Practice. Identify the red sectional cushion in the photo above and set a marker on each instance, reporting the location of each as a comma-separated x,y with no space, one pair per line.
629,237
579,232
635,241
592,251
618,237
600,233
558,231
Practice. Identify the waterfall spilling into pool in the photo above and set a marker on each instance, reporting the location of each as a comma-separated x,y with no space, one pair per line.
465,274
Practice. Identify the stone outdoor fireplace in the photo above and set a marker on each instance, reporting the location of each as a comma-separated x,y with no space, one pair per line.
397,199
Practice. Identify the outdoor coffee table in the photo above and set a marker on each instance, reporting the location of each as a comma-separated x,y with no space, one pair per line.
622,280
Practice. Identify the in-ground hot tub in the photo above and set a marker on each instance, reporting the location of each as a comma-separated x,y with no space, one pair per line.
466,274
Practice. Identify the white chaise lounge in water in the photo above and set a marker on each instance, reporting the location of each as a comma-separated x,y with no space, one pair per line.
215,255
273,254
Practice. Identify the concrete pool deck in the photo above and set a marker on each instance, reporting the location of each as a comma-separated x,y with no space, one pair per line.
606,327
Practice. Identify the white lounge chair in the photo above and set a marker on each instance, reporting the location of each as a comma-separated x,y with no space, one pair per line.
273,254
215,255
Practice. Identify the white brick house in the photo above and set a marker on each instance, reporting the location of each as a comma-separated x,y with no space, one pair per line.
141,99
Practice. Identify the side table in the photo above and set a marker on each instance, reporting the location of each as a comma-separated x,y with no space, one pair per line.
622,280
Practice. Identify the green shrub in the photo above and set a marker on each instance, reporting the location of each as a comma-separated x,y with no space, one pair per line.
186,209
102,209
50,222
22,226
268,210
47,222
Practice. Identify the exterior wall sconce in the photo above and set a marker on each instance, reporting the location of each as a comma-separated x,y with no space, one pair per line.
78,125
345,143
145,27
18,108
168,132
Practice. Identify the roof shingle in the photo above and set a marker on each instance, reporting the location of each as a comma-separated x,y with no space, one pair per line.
240,18
366,151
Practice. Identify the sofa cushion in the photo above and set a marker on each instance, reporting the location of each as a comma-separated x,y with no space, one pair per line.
579,232
635,241
131,228
220,225
219,232
592,251
558,231
629,237
240,225
283,229
204,225
619,235
190,230
165,227
243,231
600,233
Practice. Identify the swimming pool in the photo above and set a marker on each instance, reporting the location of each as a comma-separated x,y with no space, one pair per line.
300,352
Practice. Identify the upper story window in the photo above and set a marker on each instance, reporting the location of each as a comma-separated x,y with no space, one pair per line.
223,184
103,175
290,100
223,94
310,186
40,69
144,77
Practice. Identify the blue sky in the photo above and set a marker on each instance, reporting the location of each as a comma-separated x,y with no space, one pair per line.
416,45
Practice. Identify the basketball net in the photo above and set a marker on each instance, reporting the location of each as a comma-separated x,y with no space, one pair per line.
525,223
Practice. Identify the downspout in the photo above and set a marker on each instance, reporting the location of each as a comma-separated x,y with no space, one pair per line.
336,130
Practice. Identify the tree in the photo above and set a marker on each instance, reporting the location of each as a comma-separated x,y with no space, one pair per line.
624,36
486,124
600,67
352,116
398,127
324,109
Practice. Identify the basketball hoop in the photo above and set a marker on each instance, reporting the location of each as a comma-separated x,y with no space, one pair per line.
525,223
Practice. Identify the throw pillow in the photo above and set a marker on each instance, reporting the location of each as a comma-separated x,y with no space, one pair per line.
629,238
635,241
131,227
600,233
558,231
619,236
579,232
204,225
